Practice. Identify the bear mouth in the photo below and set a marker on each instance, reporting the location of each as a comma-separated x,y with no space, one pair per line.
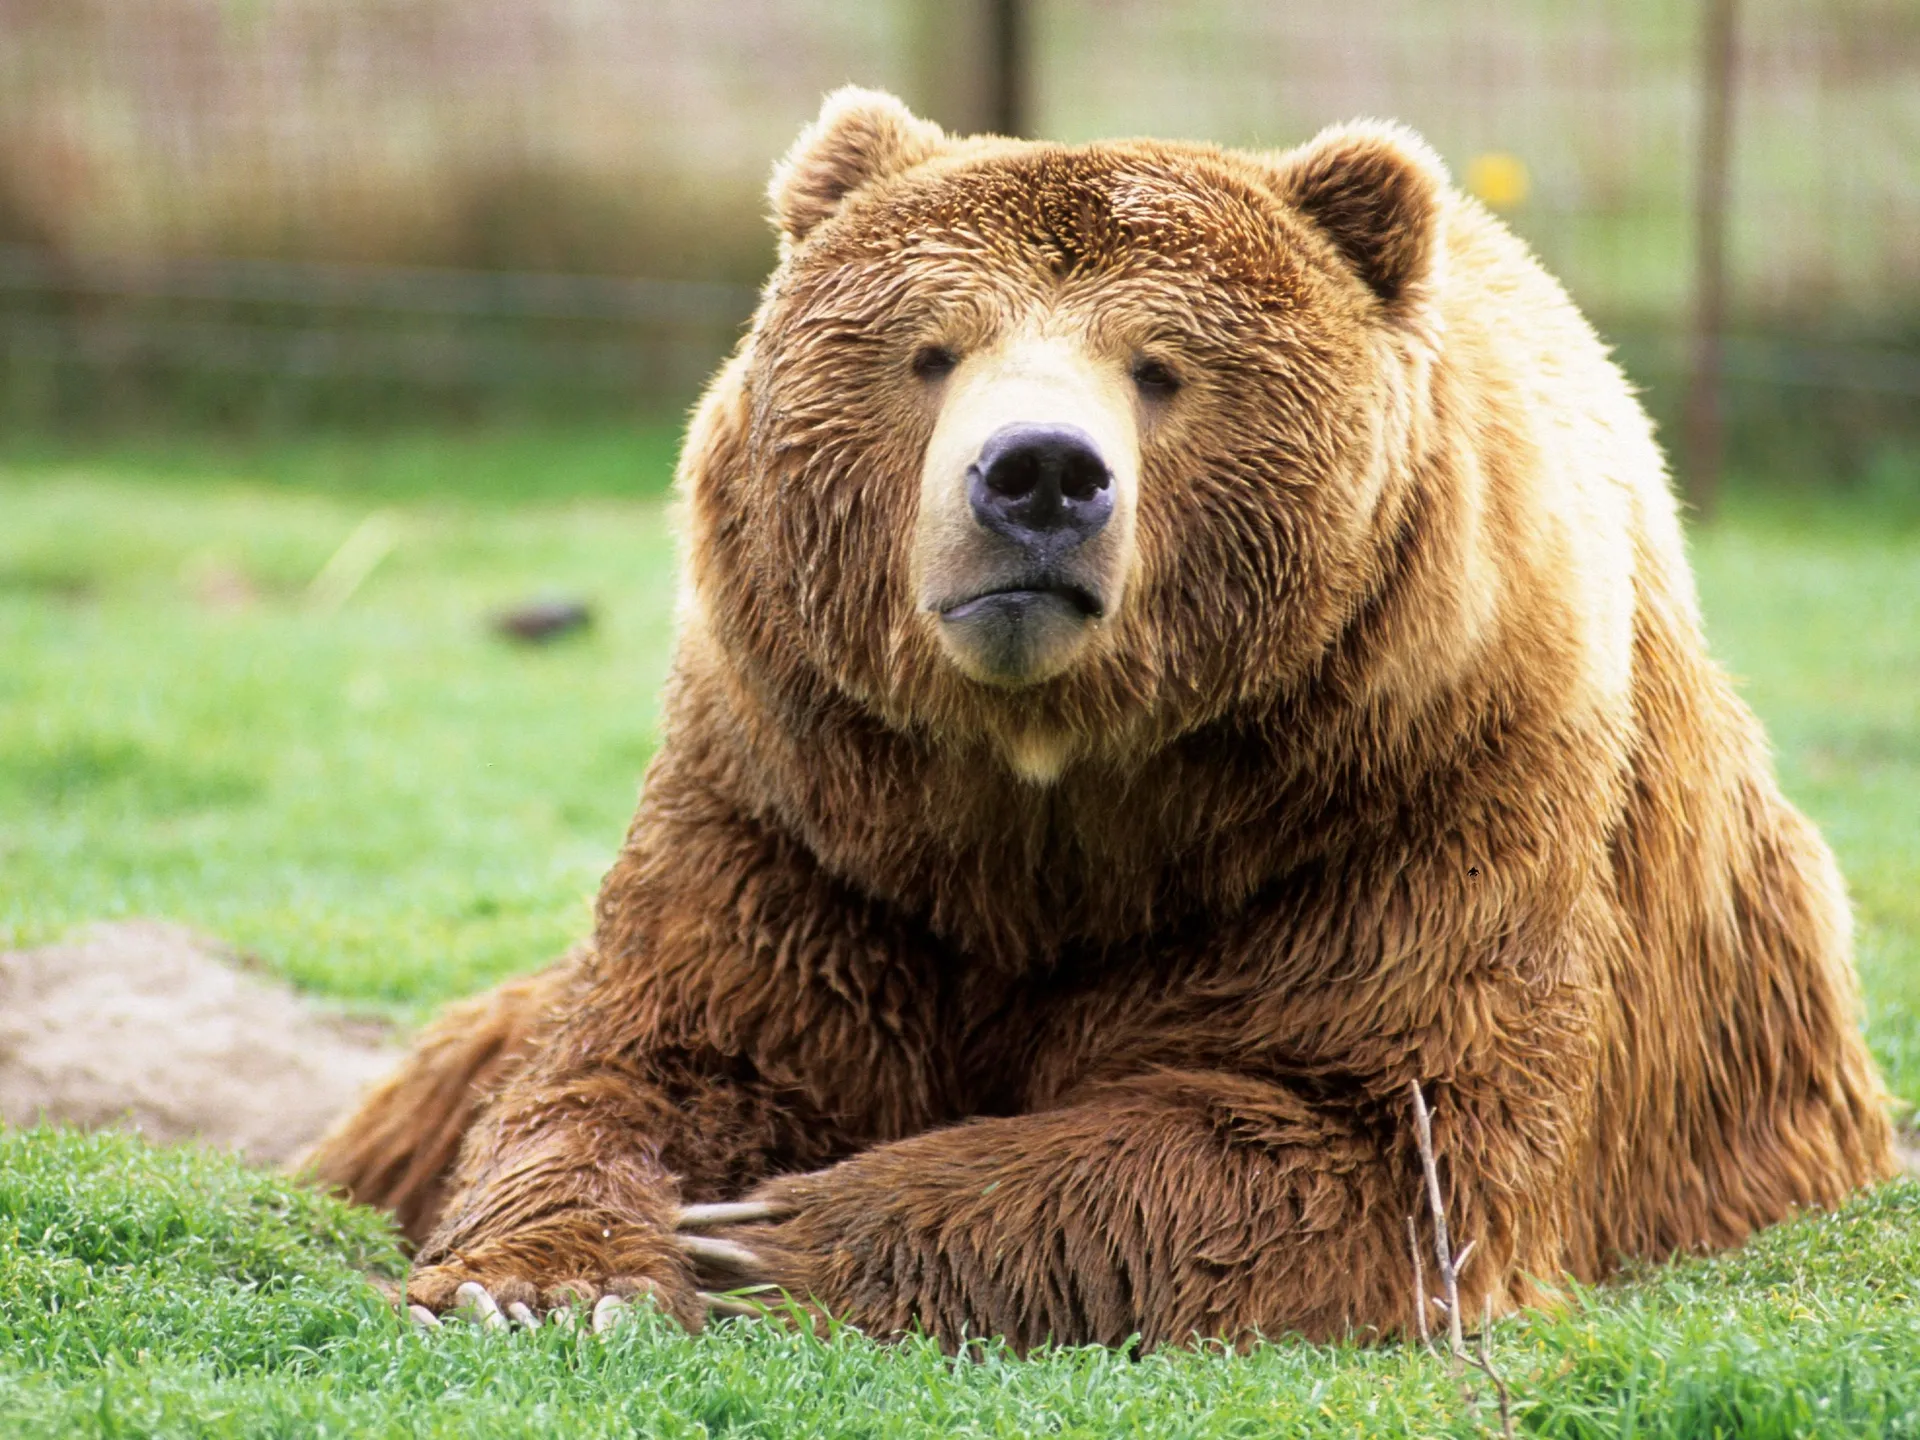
1021,626
1021,596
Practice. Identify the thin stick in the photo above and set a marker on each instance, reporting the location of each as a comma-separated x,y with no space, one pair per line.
1419,1286
1484,1364
1450,1267
1443,1251
1466,1254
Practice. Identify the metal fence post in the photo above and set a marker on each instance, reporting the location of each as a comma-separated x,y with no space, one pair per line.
1007,57
973,64
1705,435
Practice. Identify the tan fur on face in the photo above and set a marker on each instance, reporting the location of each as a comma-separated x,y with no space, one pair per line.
1403,760
1027,378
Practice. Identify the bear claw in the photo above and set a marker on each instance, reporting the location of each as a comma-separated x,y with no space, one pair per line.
608,1312
732,1268
726,1305
731,1212
477,1298
724,1257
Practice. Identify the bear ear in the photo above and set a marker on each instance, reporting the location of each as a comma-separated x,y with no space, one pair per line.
859,136
1375,190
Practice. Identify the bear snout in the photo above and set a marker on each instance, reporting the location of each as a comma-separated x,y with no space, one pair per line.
1023,545
1045,488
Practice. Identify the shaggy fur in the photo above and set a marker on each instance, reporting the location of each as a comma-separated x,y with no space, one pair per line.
1403,760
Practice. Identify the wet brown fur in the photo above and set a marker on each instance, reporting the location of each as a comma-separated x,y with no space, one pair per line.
1404,761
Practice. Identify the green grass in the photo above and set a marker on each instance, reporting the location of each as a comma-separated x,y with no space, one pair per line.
385,802
391,806
487,465
176,1293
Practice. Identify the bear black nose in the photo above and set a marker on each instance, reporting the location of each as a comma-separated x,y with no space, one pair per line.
1042,486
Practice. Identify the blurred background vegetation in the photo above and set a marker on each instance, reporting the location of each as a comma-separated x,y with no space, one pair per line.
264,216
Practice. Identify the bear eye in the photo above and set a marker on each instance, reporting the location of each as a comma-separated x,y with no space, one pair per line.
1155,378
931,362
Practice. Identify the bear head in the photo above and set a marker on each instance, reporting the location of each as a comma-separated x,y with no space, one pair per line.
1064,449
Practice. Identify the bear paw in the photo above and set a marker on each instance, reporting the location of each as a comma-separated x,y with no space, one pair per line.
508,1302
737,1276
564,1264
697,1273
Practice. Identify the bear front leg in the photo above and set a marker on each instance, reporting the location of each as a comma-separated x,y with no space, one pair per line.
1172,1207
563,1204
739,1015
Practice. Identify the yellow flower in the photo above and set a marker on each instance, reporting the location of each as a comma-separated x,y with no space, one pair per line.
1498,178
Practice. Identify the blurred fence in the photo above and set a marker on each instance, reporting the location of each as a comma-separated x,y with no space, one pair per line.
360,207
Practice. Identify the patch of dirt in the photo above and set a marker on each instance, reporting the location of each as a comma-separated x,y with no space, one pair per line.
146,1025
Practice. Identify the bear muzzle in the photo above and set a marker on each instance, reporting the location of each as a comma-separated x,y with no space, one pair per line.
1039,495
1024,541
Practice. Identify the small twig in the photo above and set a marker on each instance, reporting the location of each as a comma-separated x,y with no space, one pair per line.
1443,1252
1460,1260
1450,1267
1484,1364
1419,1286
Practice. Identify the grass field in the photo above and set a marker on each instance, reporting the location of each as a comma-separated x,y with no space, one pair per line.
390,806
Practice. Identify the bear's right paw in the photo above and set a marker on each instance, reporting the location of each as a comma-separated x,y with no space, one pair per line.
565,1266
514,1302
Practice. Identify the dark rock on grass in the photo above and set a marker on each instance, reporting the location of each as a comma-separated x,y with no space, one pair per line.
538,621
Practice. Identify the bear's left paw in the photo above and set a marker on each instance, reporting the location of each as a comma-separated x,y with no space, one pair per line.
811,1247
735,1256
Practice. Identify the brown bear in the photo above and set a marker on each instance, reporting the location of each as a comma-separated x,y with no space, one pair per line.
1178,647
